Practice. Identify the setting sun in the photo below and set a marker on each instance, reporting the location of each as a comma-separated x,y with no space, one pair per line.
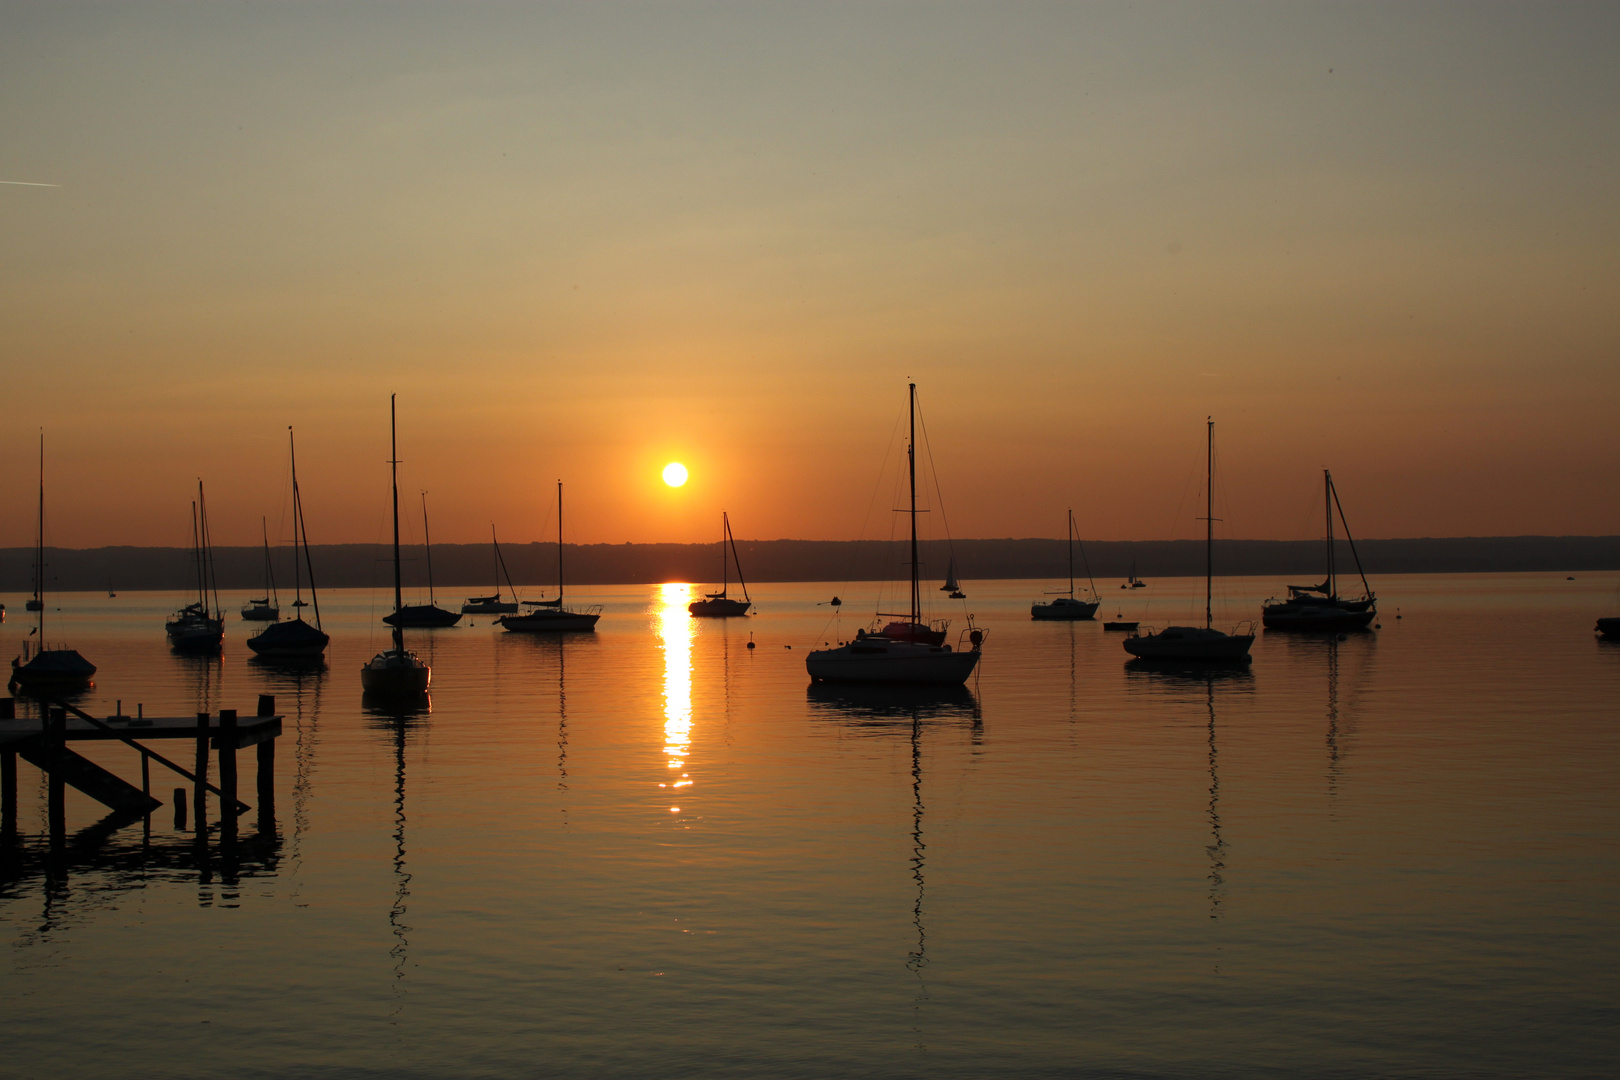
674,474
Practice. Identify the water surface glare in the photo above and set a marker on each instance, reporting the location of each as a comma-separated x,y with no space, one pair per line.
652,851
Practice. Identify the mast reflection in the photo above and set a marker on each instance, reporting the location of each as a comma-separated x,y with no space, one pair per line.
399,720
675,635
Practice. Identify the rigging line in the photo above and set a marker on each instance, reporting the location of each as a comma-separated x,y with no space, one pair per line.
1366,588
939,496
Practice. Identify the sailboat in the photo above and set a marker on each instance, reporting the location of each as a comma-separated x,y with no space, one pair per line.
551,615
1134,582
428,614
899,653
395,671
295,639
951,585
1069,608
1319,608
494,605
1195,644
718,605
44,667
193,628
268,607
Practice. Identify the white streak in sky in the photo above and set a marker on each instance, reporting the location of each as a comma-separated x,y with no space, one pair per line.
27,183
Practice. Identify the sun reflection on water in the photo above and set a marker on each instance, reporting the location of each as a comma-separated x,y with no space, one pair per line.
675,633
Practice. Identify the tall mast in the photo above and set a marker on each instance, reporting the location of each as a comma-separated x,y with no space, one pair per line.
1327,507
1209,522
269,570
495,569
196,553
393,473
427,544
1071,551
733,541
39,543
559,546
725,566
301,533
911,463
210,574
298,581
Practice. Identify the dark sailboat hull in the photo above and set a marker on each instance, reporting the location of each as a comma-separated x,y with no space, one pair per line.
53,668
1317,619
1609,627
422,615
718,607
1064,610
292,640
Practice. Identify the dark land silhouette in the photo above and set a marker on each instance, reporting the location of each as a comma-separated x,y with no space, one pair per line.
467,567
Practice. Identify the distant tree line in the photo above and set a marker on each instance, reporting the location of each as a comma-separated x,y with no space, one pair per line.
469,566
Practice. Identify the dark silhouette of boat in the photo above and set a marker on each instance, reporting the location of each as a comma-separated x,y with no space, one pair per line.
951,585
551,616
193,628
430,614
908,650
1609,627
268,607
295,639
1320,608
396,672
494,605
42,666
1069,608
718,605
1197,644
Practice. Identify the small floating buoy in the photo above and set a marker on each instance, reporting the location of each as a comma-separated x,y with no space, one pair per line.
1570,578
1378,626
787,646
835,602
750,640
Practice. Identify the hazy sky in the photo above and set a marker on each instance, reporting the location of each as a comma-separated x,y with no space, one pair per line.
584,240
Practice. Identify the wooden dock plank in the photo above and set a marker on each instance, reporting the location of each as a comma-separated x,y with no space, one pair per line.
250,730
106,788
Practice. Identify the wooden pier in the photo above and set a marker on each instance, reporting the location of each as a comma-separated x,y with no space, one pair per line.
43,742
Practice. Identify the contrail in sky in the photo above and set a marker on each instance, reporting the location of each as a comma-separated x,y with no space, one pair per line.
27,183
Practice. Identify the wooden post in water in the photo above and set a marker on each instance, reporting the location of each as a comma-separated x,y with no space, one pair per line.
56,799
8,775
179,809
227,770
267,771
199,791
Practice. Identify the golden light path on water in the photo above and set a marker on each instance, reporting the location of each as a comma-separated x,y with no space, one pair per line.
675,633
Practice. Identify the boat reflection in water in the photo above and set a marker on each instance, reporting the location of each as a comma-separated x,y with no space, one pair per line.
398,720
675,634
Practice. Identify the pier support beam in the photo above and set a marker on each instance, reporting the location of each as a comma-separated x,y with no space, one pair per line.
8,792
227,771
199,789
56,790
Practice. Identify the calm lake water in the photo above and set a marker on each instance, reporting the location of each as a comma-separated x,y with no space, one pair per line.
652,852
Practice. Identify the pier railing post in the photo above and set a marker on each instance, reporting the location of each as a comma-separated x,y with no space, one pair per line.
56,799
227,769
8,792
199,790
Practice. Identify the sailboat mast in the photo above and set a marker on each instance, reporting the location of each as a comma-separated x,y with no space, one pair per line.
1071,551
196,553
301,534
559,547
269,570
206,555
911,463
427,544
1366,589
1327,507
393,474
39,544
298,581
733,541
1209,523
725,566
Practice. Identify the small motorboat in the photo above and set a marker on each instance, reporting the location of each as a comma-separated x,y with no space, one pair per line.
1117,624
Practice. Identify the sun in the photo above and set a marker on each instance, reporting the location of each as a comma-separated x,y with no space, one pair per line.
674,474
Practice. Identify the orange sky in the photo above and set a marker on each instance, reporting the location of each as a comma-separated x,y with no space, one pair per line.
584,240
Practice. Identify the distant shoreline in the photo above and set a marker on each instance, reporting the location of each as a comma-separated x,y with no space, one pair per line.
467,566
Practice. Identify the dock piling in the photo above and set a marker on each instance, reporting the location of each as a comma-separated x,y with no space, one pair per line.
199,791
179,809
227,768
56,799
267,704
8,792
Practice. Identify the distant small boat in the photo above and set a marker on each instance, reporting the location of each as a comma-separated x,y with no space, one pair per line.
951,585
1195,644
1134,582
429,614
1116,624
1609,627
46,667
268,607
494,605
396,672
295,639
718,605
551,616
1069,608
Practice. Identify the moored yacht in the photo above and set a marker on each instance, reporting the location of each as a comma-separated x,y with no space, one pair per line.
295,639
1069,607
1320,608
429,614
905,651
193,628
43,666
266,608
493,604
552,616
396,671
719,605
1193,644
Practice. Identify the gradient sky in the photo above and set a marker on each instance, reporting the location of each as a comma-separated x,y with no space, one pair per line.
584,240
